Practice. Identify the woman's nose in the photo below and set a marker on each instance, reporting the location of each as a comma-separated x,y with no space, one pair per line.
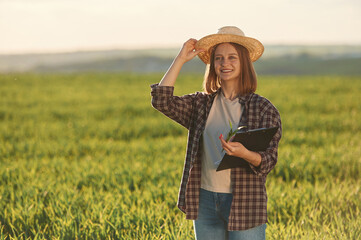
224,62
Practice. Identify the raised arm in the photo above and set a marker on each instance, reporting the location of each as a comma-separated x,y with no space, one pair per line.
187,53
177,108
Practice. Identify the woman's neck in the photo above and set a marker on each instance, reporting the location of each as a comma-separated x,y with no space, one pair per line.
229,90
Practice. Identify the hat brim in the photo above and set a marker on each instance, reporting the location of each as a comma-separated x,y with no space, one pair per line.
254,47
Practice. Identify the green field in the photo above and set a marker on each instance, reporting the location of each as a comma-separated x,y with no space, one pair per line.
85,156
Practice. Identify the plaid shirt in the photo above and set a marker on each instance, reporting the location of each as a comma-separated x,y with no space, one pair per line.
249,205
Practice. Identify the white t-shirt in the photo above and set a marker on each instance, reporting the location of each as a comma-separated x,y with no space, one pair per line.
217,123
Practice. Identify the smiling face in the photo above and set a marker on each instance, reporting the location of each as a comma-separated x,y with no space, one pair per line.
231,63
227,63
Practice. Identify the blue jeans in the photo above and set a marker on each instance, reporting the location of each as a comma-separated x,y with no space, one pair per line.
212,219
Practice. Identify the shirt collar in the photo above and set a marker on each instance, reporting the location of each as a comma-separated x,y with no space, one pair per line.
245,98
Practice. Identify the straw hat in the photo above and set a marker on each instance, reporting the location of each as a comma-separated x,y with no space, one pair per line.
229,34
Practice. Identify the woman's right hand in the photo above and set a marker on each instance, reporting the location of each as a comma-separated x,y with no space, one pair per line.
185,54
188,51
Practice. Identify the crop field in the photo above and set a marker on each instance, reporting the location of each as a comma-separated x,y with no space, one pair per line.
85,156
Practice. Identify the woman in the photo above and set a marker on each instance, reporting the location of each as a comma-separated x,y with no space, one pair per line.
229,204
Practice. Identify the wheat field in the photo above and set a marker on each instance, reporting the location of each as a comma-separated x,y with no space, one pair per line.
85,156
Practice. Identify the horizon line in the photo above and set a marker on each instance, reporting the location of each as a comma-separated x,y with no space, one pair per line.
143,48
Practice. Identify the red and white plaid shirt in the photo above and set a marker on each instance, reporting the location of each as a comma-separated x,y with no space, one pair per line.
249,205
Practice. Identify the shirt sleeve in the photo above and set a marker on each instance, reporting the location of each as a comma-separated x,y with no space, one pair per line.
177,108
270,118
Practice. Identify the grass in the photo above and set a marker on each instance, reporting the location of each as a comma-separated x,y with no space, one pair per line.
84,156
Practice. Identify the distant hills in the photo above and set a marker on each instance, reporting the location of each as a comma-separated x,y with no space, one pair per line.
277,59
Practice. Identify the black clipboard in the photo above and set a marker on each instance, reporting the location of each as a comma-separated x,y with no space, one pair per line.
254,140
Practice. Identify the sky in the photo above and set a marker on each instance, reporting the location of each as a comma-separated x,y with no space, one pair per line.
39,26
